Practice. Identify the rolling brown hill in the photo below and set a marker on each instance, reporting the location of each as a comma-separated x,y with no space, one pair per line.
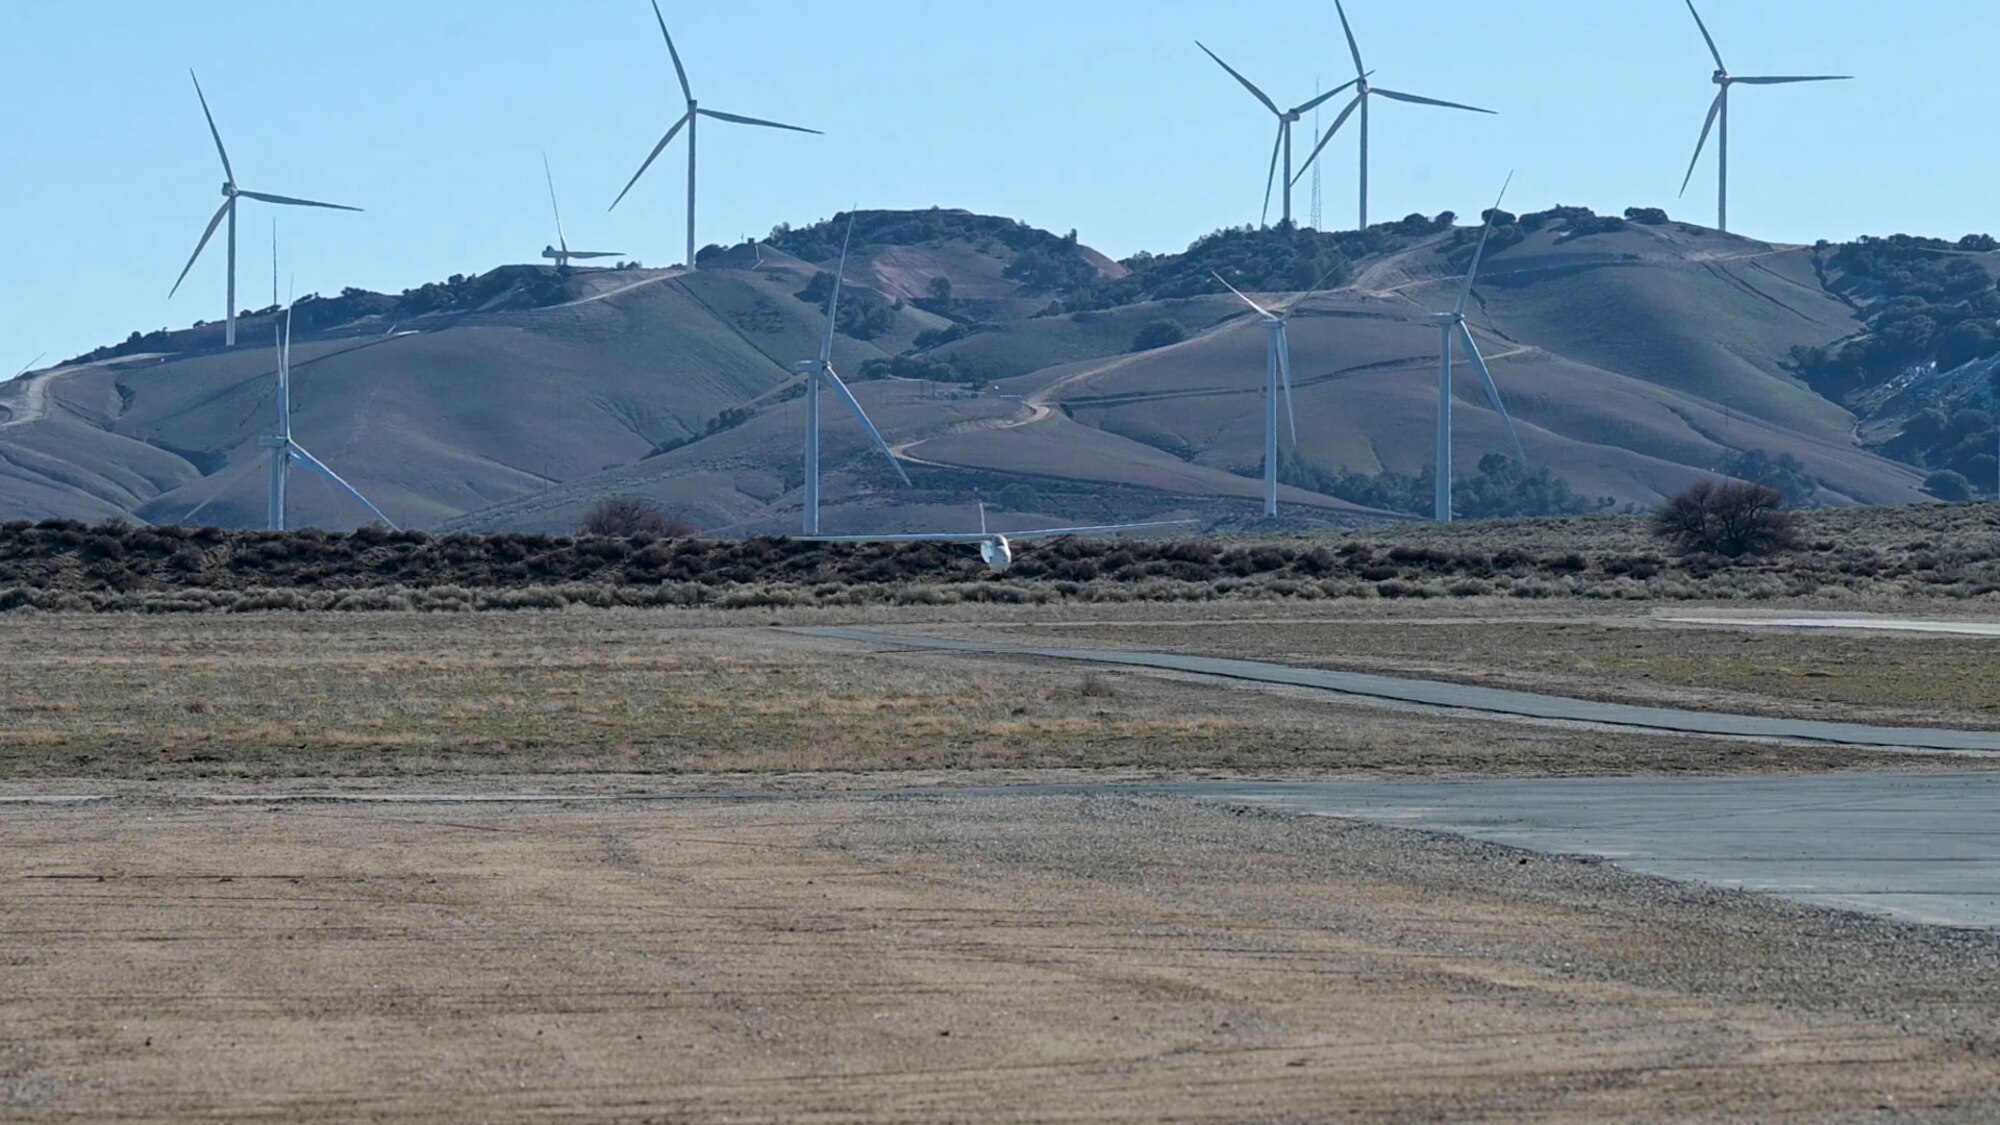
1635,359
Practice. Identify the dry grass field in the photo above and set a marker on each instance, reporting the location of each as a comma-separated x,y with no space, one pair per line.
633,694
1584,650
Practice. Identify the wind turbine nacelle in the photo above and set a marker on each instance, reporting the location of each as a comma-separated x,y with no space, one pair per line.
806,367
1444,319
228,190
998,555
551,252
1722,78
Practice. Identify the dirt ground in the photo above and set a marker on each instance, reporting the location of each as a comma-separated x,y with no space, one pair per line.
840,959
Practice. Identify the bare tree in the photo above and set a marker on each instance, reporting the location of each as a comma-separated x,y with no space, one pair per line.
626,516
1731,517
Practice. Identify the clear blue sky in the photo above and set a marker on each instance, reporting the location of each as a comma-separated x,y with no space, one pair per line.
1095,114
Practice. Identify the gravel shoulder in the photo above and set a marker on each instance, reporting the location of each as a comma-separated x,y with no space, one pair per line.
926,958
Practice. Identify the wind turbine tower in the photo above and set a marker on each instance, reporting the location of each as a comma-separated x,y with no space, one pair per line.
285,452
1450,323
1277,377
1286,119
689,121
821,370
230,195
1718,114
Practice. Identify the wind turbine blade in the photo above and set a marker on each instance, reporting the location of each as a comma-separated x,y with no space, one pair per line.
1239,293
198,509
1323,98
860,415
1710,39
316,465
202,245
1285,378
1328,136
1790,78
758,121
1317,288
285,378
1352,47
288,201
596,253
553,205
655,155
679,70
1714,107
212,130
1247,84
1415,100
1472,274
1050,532
1492,390
28,366
1271,177
833,302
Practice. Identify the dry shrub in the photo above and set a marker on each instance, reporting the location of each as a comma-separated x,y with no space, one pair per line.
627,516
1733,518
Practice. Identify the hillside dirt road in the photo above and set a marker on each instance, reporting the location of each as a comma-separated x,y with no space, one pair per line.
29,400
1038,406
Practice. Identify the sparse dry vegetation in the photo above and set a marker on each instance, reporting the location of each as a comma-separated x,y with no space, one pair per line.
1945,552
629,516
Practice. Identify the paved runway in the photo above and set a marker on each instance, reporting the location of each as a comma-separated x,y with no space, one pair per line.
1864,624
1920,847
1468,698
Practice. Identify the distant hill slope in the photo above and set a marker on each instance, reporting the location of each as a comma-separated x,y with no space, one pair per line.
1000,362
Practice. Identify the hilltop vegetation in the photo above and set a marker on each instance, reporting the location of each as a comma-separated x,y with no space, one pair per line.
505,288
1924,370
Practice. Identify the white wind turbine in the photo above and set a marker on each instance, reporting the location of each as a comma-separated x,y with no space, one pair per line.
230,195
1448,323
561,253
1286,119
821,369
689,121
1277,375
284,450
1718,110
1360,102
